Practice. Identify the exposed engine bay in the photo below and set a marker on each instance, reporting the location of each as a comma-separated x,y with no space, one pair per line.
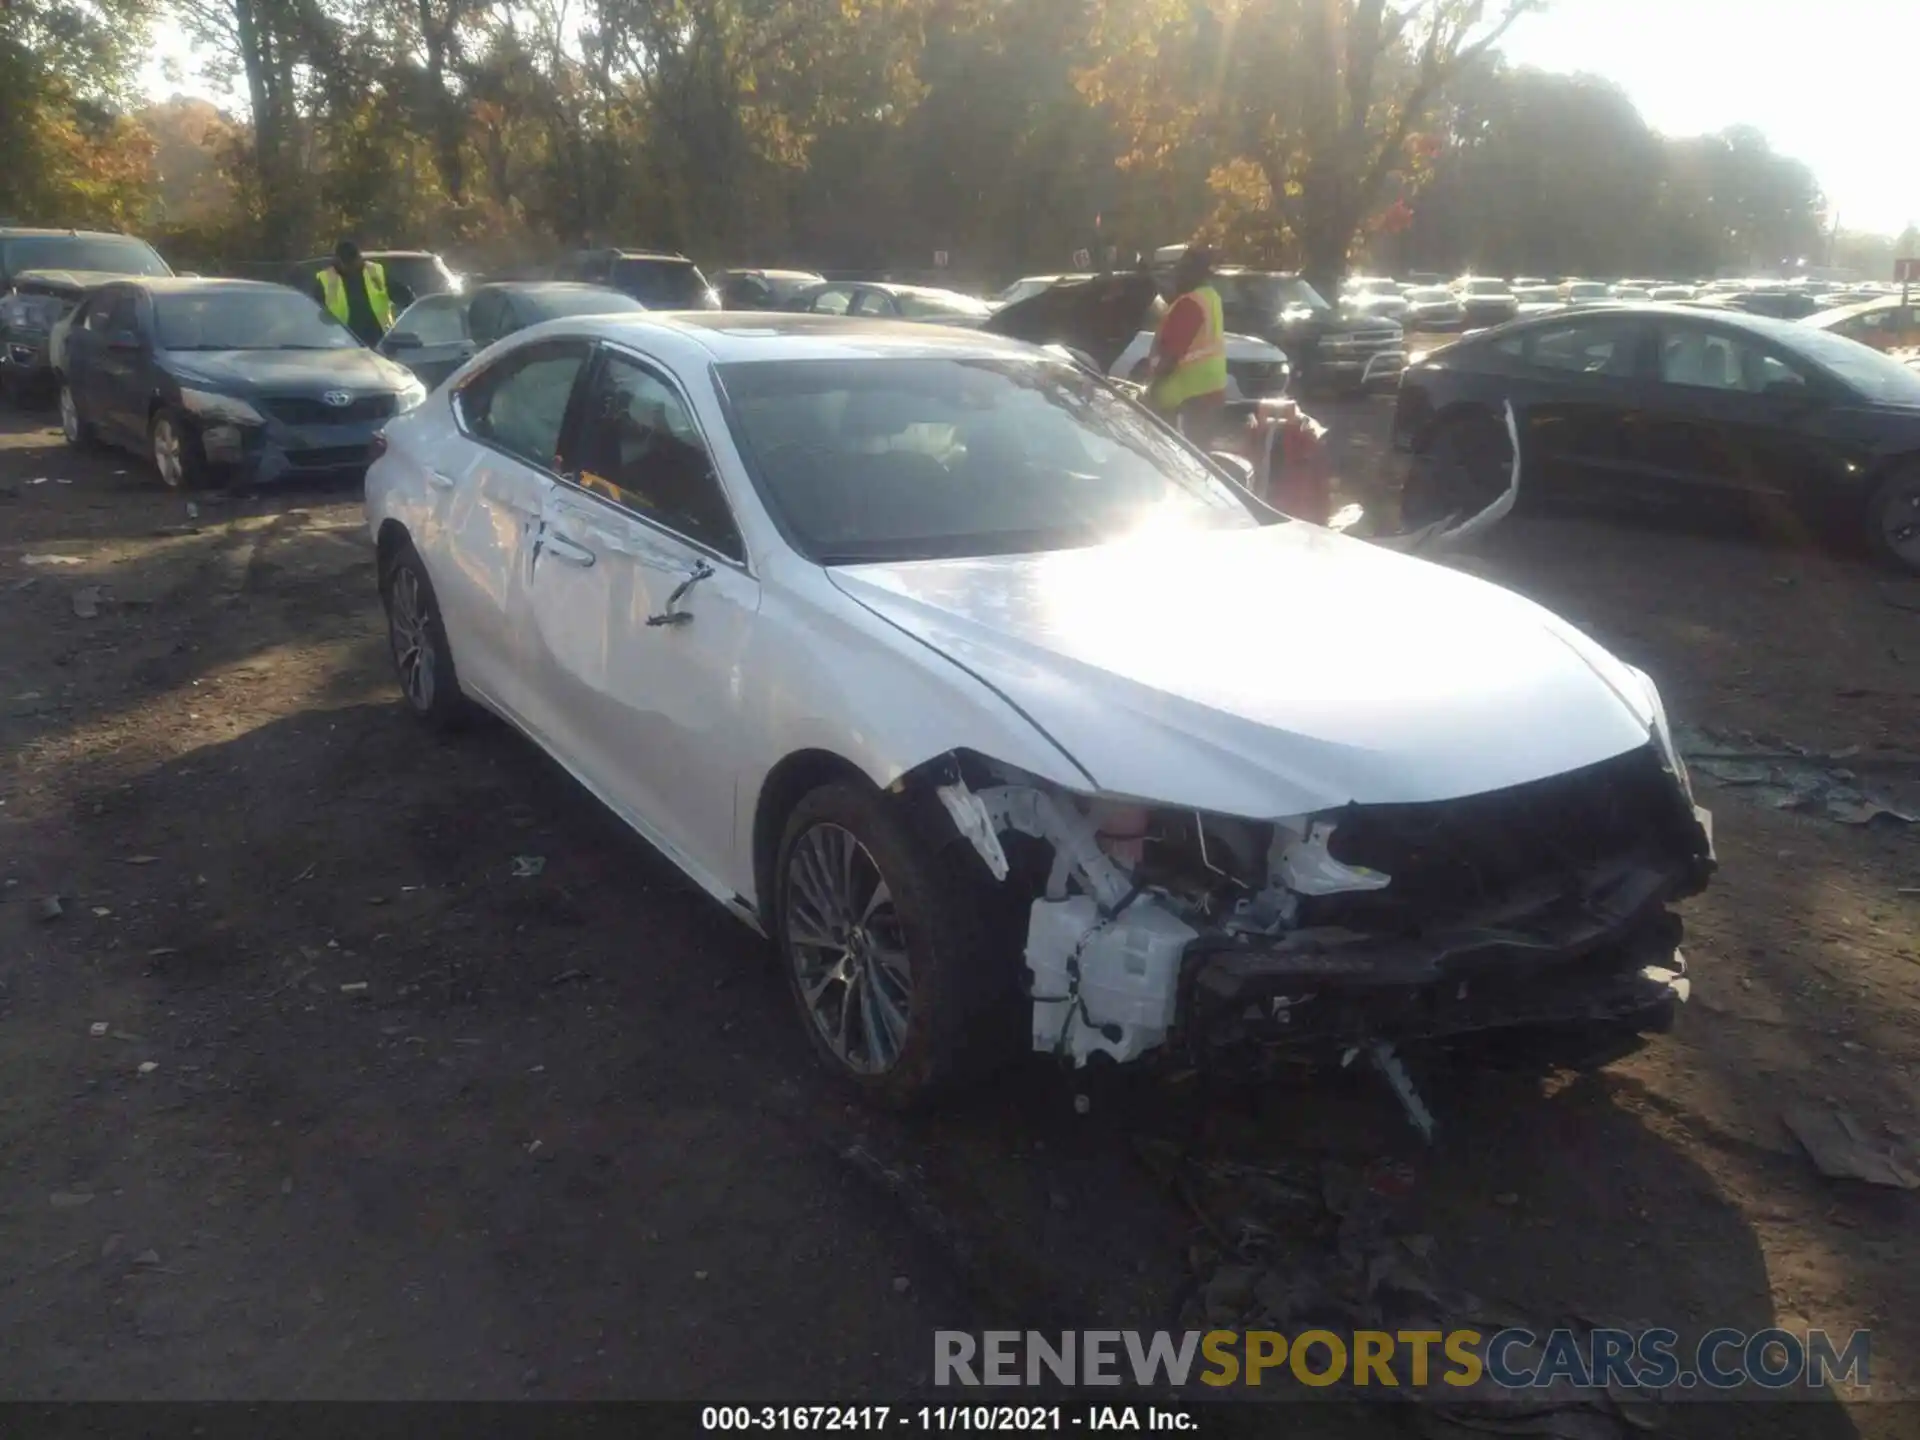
1157,931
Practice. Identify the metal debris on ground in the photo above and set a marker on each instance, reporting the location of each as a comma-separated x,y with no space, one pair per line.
49,908
147,1067
1840,1150
1303,1244
52,560
1790,777
98,1029
525,867
1394,1070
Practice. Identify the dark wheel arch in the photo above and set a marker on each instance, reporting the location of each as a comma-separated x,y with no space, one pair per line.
787,784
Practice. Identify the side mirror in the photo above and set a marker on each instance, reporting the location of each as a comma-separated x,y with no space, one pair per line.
124,340
403,340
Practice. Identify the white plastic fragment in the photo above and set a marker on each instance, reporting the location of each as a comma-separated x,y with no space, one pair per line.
1305,865
971,819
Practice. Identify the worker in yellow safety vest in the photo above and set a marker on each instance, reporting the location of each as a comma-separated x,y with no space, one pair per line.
1188,362
354,291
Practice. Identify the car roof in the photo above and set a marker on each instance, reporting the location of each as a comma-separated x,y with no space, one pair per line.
196,284
537,287
620,254
734,335
374,255
1765,326
1862,307
22,232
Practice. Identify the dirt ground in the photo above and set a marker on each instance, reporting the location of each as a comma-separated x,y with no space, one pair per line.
374,1117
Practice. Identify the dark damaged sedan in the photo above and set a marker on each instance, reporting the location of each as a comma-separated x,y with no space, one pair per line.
1658,406
43,275
226,380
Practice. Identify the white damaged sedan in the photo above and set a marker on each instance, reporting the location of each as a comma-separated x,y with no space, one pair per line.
1004,712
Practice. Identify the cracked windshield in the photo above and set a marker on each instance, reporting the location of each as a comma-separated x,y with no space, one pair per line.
1042,715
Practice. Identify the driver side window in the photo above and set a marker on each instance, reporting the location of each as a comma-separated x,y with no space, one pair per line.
639,447
831,302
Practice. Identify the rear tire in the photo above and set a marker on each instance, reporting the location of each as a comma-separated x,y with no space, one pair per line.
417,638
1893,518
902,981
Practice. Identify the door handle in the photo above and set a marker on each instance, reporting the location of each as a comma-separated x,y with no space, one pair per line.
440,480
670,616
565,547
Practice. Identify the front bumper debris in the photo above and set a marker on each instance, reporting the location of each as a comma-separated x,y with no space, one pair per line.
26,359
263,454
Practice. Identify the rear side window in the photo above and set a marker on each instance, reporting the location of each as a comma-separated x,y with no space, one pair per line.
661,284
440,320
520,404
1608,346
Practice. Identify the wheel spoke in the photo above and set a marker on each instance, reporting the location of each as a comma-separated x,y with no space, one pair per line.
814,991
841,927
883,1015
880,898
843,1038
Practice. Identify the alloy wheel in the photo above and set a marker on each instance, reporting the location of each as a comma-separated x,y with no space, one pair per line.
168,457
848,948
409,627
1900,521
69,416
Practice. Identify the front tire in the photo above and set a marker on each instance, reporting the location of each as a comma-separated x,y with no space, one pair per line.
175,450
889,948
417,638
1893,518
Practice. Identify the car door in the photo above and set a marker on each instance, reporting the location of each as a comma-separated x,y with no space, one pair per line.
120,391
1725,414
83,343
488,498
642,605
430,338
1575,383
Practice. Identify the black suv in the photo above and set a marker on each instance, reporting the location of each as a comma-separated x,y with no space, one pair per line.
411,274
658,280
1324,347
43,275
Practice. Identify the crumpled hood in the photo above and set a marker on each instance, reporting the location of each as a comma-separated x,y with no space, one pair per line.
289,372
1270,672
67,284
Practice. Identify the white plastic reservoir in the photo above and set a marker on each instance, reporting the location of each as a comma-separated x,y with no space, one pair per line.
1129,976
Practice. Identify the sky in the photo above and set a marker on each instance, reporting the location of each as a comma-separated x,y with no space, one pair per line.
1825,80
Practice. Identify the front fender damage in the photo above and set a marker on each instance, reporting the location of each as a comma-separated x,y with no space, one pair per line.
1158,932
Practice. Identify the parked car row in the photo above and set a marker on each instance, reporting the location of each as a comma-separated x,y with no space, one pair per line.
1476,301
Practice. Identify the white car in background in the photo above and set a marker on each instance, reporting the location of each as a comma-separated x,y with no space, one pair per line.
921,651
